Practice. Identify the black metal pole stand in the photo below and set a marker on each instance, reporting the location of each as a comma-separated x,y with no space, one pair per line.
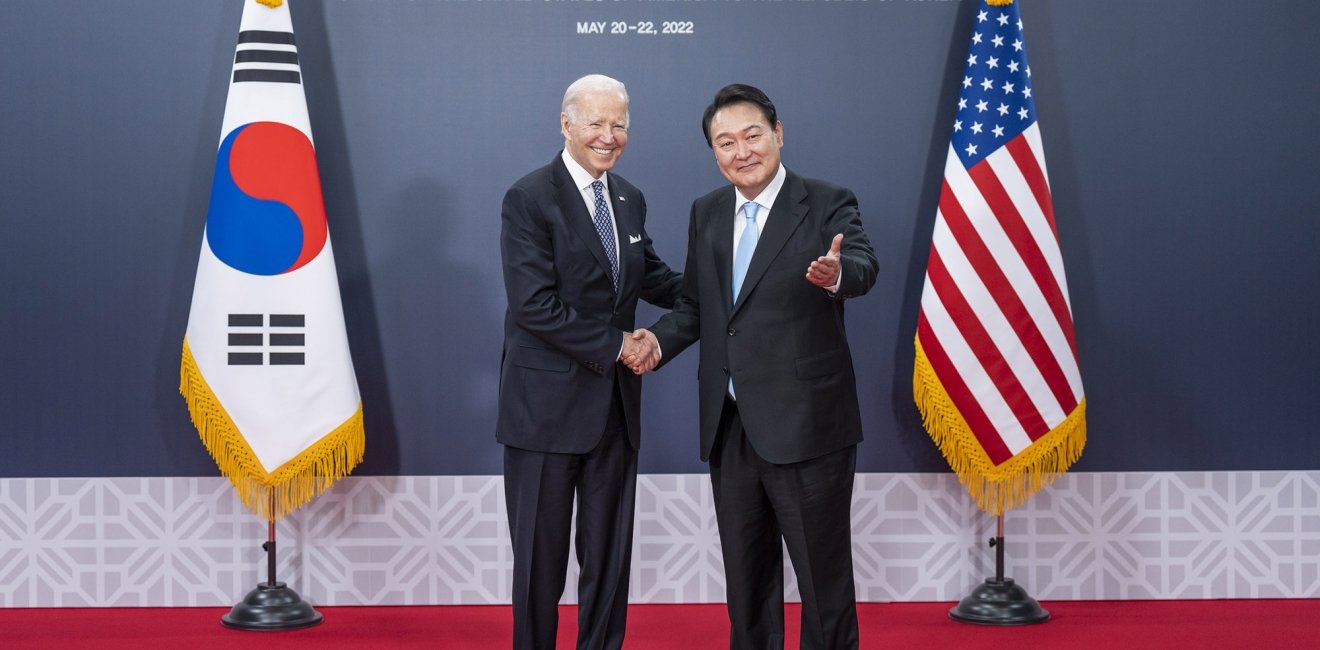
998,600
272,605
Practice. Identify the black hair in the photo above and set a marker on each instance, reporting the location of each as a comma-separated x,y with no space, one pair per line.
738,94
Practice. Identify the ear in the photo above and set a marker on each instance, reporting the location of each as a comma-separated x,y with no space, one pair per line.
779,132
563,124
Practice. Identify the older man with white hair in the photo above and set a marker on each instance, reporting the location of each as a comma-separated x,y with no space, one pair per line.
576,258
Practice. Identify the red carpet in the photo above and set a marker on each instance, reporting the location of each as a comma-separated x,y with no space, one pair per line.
1126,625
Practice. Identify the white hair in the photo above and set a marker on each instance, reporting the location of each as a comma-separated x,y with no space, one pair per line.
592,83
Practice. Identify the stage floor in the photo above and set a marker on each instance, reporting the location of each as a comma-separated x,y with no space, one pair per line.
1126,625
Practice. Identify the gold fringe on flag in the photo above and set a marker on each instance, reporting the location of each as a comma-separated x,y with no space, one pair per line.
294,483
999,3
996,489
273,4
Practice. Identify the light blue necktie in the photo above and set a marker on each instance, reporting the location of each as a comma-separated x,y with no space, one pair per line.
605,228
746,246
743,258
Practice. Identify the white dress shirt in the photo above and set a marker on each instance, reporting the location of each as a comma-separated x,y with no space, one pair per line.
765,199
583,180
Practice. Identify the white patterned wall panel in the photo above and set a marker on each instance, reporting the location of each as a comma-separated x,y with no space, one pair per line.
113,542
1172,535
912,538
676,549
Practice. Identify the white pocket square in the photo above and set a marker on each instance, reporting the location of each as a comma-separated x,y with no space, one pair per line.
633,239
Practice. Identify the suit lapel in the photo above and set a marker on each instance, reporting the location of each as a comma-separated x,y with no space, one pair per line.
789,209
721,233
580,221
627,225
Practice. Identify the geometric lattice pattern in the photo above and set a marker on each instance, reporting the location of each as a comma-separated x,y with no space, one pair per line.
126,542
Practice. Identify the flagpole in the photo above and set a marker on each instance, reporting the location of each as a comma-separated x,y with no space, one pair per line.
997,543
273,605
269,546
998,600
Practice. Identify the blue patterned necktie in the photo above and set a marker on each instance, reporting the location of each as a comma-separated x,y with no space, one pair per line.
605,228
746,246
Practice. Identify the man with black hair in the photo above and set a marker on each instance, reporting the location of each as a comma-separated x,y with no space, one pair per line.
778,399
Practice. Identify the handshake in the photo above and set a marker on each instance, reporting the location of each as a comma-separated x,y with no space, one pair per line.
641,351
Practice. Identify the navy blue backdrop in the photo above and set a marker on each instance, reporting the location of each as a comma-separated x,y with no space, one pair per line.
1180,139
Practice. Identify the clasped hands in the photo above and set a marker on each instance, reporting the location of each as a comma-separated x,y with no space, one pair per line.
641,351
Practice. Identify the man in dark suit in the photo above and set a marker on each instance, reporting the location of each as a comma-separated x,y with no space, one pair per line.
576,258
778,400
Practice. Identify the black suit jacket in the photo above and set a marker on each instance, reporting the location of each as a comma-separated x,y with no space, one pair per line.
783,340
565,321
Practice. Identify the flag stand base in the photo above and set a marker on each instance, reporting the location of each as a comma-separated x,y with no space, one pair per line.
999,600
272,607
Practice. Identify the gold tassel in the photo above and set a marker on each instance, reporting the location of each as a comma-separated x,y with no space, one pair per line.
294,483
995,489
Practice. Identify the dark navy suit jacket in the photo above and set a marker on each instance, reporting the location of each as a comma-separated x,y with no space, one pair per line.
783,340
565,322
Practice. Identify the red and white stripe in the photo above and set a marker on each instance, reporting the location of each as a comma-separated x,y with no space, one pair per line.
996,322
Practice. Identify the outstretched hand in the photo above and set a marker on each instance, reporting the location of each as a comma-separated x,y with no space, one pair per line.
824,272
641,351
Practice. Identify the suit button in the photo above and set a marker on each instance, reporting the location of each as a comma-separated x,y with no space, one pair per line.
732,331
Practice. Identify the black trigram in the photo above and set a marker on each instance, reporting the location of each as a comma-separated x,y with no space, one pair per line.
284,333
266,55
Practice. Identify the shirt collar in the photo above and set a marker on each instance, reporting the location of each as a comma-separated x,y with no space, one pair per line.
768,195
581,177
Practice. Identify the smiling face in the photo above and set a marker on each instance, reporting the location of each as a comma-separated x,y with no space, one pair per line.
595,130
746,146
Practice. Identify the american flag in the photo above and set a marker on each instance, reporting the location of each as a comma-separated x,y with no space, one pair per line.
996,376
